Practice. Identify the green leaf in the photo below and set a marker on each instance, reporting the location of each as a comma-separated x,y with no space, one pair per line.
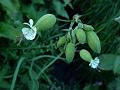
38,1
29,11
107,61
8,31
68,2
10,7
116,68
4,71
59,8
34,83
16,74
118,83
4,84
90,87
117,19
115,84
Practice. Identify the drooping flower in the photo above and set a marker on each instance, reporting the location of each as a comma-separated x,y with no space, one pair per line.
29,33
94,63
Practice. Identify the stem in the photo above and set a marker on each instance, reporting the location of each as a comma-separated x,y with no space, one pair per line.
48,66
45,56
64,20
16,73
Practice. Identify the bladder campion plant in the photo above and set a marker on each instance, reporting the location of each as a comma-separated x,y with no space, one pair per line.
82,33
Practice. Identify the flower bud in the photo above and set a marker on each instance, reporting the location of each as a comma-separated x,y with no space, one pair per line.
70,52
61,41
85,55
93,41
45,22
81,36
87,27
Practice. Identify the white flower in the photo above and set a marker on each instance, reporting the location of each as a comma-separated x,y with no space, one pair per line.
94,63
29,33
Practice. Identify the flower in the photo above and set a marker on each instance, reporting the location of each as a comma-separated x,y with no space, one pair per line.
29,33
94,63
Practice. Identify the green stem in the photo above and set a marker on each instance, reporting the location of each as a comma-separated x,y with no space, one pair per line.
45,56
48,66
16,73
64,20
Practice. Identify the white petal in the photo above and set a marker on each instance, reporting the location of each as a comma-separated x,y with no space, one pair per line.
94,63
28,33
31,22
97,60
26,24
94,66
25,30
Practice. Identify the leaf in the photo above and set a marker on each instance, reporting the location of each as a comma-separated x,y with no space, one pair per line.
59,8
4,71
68,2
16,74
29,11
117,19
115,84
116,68
90,87
8,31
118,83
4,84
34,83
38,1
107,61
10,7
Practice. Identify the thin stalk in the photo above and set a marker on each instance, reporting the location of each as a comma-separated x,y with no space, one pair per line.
48,66
16,74
64,20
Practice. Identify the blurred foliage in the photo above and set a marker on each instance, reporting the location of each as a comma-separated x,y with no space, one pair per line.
29,65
